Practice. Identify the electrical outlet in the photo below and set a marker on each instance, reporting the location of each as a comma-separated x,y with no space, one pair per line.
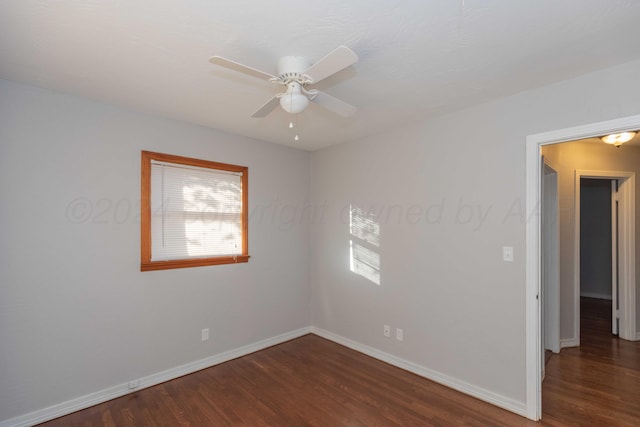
387,331
399,334
205,334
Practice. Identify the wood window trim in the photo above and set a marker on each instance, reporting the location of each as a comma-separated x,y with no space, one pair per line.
145,215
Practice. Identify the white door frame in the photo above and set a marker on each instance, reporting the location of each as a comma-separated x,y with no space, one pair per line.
614,256
532,256
626,254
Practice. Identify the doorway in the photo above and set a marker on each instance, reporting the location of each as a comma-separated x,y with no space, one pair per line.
620,265
533,261
598,252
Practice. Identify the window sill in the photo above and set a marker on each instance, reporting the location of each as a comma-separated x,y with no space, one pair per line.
200,262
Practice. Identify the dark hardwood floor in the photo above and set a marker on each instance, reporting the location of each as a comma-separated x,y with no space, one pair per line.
598,383
314,382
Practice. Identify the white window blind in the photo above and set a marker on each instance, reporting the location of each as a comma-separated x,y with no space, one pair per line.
195,212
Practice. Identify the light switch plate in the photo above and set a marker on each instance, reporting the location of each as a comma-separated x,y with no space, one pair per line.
507,253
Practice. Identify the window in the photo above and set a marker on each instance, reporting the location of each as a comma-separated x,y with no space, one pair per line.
194,212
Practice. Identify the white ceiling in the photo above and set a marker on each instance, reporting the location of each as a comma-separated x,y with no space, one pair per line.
417,57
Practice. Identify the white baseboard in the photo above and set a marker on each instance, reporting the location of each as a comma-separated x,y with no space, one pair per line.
572,342
569,342
119,390
104,395
509,404
595,295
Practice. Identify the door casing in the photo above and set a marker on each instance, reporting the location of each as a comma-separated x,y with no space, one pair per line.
533,160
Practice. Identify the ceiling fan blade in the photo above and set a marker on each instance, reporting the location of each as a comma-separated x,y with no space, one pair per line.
337,60
268,107
334,104
232,65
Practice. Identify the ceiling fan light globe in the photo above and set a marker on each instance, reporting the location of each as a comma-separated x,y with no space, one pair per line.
294,103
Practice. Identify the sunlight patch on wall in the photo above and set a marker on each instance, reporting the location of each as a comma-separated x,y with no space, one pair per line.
364,244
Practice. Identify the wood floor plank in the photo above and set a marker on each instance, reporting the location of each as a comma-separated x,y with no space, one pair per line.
311,381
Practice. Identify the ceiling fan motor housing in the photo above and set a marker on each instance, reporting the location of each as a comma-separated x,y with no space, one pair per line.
292,67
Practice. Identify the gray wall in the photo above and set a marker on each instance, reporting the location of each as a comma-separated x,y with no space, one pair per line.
447,193
76,313
595,238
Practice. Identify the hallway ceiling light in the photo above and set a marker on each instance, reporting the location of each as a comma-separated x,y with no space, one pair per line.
618,139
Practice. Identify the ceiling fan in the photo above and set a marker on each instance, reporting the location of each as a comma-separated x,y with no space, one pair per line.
296,74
